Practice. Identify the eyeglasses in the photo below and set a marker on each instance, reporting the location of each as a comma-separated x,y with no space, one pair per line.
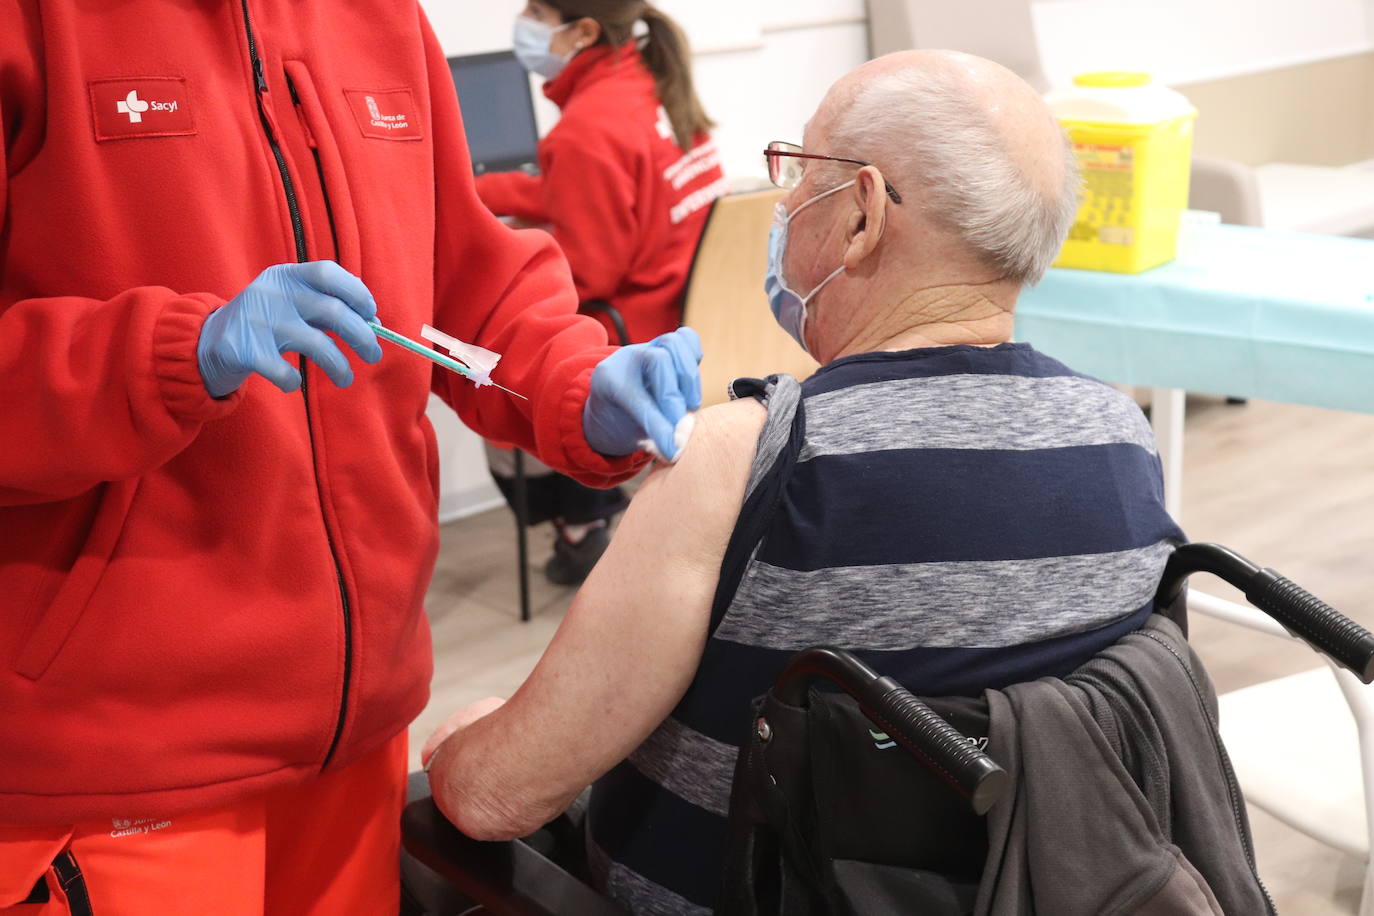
786,166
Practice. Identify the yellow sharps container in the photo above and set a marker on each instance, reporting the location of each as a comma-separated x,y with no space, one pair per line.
1134,142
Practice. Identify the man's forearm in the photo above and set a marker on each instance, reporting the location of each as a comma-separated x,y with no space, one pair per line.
480,778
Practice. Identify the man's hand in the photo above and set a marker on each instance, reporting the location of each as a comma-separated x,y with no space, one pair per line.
641,392
456,723
287,309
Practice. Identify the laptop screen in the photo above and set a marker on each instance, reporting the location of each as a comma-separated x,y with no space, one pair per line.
498,112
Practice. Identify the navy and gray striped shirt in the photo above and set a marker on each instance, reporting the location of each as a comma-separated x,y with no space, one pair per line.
961,517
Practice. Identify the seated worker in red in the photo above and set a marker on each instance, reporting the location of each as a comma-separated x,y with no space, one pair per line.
218,491
626,181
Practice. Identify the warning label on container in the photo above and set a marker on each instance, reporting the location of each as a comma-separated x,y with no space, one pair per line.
1108,188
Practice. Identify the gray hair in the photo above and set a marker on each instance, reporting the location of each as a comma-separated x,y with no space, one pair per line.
923,126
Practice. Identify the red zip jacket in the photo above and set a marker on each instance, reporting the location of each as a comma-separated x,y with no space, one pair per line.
626,205
201,599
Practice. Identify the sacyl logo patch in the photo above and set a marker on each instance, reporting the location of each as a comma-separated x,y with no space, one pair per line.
155,106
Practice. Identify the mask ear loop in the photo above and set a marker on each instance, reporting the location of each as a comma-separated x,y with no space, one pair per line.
820,197
577,45
806,300
839,270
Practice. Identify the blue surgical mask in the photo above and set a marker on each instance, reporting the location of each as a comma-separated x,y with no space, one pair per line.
532,39
789,307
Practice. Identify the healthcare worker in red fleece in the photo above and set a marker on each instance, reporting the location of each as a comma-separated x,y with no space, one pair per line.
625,185
217,489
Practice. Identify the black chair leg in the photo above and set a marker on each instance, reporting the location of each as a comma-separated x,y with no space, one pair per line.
522,528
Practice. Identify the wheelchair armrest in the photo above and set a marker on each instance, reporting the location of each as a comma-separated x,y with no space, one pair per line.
509,879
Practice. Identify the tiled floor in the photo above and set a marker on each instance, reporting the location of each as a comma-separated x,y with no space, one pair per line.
1291,487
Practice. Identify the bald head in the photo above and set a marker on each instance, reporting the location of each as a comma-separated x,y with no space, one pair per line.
969,142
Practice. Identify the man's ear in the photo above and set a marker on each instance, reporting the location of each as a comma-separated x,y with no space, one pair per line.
869,221
586,33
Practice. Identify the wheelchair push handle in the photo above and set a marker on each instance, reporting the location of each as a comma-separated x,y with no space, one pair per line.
1300,612
940,746
1317,623
943,749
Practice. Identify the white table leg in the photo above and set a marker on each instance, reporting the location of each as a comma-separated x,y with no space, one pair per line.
1167,407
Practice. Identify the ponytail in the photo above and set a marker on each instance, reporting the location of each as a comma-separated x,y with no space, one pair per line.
669,59
664,51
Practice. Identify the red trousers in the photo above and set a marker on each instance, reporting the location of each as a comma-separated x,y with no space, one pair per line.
330,847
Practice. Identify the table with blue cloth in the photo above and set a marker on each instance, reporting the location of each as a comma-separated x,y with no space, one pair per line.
1242,312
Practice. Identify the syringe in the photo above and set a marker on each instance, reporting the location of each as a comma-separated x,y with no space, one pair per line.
434,356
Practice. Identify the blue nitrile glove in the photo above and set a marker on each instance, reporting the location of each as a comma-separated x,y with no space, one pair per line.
641,392
287,309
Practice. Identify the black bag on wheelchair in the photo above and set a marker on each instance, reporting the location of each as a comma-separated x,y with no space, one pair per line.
810,835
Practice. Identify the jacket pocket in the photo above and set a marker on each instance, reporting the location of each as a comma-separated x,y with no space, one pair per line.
329,162
53,627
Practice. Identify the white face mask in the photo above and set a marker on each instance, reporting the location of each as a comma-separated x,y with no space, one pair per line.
789,307
532,39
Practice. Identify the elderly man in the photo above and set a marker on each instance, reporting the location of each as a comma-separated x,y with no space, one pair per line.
963,511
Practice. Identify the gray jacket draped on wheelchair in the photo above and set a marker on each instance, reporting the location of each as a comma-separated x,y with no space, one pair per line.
1133,807
1121,801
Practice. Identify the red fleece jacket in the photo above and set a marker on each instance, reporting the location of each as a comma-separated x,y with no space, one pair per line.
200,599
625,203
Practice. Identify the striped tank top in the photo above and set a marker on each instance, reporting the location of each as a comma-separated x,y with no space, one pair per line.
960,517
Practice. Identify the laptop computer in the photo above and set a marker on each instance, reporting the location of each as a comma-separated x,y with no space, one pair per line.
498,112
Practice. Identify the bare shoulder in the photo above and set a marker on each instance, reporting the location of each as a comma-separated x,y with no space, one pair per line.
690,508
722,443
731,427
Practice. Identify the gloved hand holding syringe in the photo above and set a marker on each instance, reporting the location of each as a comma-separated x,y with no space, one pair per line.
639,394
291,308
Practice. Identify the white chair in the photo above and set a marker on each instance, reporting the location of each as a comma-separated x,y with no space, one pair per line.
1226,187
1303,745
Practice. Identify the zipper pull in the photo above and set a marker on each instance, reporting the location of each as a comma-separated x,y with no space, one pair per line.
300,112
259,75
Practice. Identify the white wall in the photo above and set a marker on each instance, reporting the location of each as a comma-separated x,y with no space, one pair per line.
1183,41
761,68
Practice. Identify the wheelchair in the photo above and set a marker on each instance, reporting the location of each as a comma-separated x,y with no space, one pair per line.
773,867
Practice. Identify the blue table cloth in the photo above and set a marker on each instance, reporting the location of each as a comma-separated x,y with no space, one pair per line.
1244,312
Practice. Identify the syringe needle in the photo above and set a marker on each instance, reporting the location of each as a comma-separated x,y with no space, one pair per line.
509,392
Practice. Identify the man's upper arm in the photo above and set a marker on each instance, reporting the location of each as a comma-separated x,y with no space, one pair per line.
631,643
